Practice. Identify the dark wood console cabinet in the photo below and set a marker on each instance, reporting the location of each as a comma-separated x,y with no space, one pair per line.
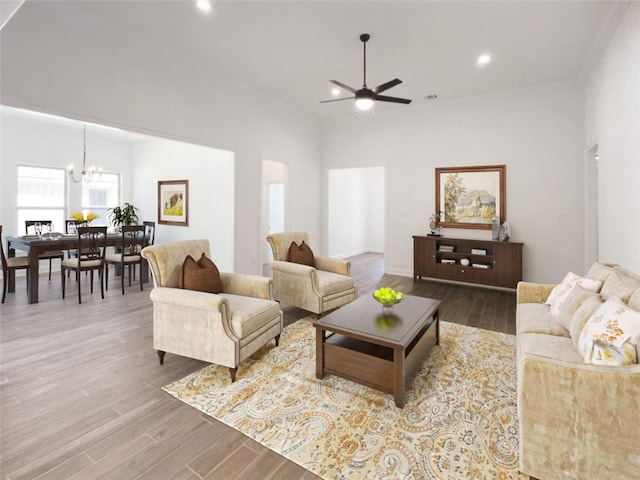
492,263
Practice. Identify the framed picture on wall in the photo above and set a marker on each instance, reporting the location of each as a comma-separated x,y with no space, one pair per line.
173,202
469,197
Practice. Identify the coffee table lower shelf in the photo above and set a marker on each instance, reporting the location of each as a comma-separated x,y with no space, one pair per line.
384,368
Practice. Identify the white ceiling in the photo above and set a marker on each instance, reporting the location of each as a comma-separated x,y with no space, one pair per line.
290,49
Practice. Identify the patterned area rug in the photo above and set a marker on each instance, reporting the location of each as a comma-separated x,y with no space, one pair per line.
459,420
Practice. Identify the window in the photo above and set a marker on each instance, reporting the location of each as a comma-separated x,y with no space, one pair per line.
99,196
41,196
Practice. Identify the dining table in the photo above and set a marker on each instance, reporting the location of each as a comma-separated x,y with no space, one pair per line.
35,245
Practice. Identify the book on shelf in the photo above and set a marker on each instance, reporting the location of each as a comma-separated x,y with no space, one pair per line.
478,251
448,261
481,265
446,248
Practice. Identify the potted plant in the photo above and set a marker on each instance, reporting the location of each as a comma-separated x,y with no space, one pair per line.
125,215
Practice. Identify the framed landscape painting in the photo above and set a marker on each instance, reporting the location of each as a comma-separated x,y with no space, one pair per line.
173,202
469,197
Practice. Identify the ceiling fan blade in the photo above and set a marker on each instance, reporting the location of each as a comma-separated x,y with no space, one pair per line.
384,98
342,85
387,86
337,99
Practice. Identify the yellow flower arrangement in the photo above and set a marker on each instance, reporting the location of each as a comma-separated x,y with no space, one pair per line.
80,218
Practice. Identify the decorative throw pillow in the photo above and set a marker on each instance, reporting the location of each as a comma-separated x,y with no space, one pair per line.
300,254
576,297
559,294
634,301
202,275
603,353
599,271
609,337
621,284
579,319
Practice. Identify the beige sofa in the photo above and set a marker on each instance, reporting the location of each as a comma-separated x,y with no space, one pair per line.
319,289
577,420
224,328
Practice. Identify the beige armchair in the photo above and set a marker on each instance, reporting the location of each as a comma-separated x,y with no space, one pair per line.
317,289
224,328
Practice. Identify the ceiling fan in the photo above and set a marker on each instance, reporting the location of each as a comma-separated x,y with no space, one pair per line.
365,96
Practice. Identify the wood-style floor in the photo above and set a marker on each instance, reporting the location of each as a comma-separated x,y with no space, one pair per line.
80,385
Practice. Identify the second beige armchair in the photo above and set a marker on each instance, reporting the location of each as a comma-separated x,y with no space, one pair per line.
318,289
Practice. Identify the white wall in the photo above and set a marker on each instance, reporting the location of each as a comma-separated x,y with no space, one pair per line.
613,123
211,192
137,88
30,140
537,132
356,211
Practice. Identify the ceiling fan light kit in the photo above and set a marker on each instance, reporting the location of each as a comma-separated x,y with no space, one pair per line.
365,97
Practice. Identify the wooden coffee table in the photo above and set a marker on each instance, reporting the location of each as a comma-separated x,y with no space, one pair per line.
359,343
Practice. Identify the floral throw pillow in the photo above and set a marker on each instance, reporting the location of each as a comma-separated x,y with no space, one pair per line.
560,293
609,337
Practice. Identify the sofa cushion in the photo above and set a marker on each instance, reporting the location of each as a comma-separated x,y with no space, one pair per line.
300,254
330,283
577,296
610,334
202,275
599,271
249,314
560,292
550,346
536,318
621,284
579,319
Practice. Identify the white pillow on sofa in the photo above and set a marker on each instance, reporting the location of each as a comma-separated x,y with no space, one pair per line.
576,297
579,319
560,292
609,337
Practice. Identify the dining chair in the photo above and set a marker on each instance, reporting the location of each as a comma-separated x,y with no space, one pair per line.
30,228
150,234
92,243
12,263
128,254
150,231
70,226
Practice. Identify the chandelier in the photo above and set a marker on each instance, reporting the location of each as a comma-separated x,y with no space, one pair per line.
91,174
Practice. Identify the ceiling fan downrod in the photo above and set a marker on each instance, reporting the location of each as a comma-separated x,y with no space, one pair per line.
364,38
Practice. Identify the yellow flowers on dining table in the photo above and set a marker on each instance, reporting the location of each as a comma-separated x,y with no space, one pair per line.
80,217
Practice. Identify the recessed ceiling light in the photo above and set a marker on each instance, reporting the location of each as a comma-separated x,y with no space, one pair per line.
483,59
204,5
335,92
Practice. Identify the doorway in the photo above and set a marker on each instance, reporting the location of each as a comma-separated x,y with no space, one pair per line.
357,206
274,203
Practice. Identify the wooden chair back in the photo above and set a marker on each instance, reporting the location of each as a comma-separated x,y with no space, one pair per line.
134,239
150,232
5,266
47,226
92,243
71,226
